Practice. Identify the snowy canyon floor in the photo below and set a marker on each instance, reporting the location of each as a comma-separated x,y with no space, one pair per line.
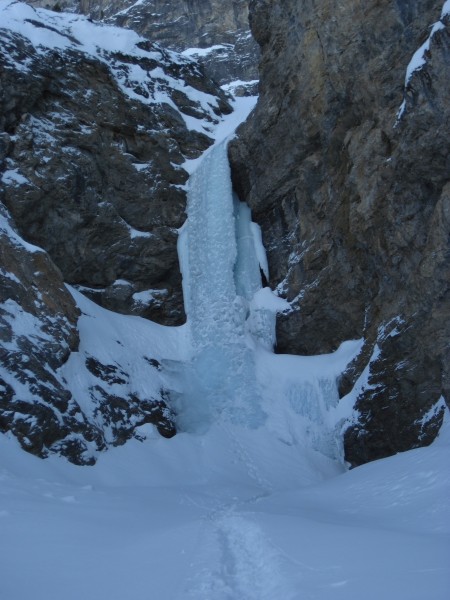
220,517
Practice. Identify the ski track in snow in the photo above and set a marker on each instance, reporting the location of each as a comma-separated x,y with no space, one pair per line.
237,560
248,566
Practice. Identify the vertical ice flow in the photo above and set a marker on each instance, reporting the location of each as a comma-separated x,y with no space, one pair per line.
220,276
231,322
246,268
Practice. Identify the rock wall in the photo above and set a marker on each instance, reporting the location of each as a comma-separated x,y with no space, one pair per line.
218,25
221,26
345,165
92,139
92,163
38,337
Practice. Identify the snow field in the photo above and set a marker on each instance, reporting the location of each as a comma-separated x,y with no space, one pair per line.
184,518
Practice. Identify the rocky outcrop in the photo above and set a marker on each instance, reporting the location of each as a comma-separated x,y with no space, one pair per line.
220,26
92,146
38,331
216,31
38,339
92,141
345,165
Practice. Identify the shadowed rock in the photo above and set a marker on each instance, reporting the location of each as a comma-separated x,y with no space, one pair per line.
354,208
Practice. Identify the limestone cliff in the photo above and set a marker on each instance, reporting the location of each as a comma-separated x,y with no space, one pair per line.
345,165
39,338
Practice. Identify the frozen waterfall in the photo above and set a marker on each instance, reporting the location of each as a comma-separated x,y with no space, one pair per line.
219,260
233,376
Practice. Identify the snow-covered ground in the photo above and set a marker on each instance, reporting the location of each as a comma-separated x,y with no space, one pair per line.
223,517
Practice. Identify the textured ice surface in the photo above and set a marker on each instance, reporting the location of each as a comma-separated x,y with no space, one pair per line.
220,261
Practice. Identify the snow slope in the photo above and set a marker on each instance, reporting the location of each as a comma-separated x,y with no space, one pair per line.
194,517
142,70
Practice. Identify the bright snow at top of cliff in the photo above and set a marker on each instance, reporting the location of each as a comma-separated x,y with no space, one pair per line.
120,49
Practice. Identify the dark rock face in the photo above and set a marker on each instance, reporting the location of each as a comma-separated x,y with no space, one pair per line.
92,166
355,205
38,332
91,146
197,24
38,336
221,25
